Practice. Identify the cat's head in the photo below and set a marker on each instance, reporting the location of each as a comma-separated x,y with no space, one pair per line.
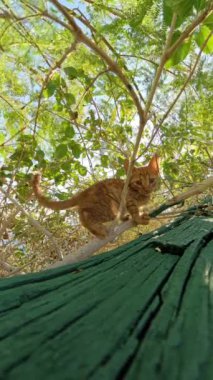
145,179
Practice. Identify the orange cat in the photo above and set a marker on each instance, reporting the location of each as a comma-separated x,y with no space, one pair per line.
100,202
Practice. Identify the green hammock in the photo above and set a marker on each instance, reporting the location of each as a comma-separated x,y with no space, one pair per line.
141,311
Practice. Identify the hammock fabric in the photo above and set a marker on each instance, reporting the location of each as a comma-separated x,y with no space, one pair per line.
142,311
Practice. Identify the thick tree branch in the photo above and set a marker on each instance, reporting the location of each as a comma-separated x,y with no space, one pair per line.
96,244
143,122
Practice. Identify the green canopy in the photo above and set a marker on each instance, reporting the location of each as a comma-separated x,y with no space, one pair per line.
141,311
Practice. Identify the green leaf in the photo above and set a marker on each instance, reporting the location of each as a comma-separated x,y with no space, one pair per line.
105,161
82,170
2,138
25,138
201,37
69,131
199,4
179,55
59,178
209,21
167,13
76,148
181,7
120,172
61,151
71,72
66,166
16,155
50,88
62,196
39,155
70,99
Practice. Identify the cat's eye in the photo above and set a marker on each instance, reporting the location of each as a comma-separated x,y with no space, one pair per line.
152,180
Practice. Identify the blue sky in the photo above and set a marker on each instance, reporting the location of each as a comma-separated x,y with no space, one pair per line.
74,4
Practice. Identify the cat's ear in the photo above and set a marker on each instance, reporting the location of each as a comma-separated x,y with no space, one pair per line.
154,165
126,165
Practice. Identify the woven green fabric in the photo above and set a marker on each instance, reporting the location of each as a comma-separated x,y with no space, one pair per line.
142,311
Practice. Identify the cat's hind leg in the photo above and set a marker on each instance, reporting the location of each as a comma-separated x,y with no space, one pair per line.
89,221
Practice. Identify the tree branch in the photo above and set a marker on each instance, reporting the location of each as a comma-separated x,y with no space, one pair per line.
12,137
161,65
187,80
36,224
113,66
198,188
96,244
143,122
114,11
201,17
57,65
7,267
179,94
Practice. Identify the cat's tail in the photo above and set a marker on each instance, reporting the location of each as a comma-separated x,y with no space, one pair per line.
46,202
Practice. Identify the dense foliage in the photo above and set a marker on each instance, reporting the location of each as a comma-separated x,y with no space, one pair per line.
67,111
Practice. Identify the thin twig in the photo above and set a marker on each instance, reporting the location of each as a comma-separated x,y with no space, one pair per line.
50,73
189,29
147,60
161,65
91,84
113,66
187,80
114,11
178,95
35,223
7,222
7,267
195,190
12,137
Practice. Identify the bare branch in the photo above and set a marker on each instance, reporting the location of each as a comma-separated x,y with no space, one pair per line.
143,122
161,65
35,223
147,60
195,190
94,245
12,137
7,267
7,221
